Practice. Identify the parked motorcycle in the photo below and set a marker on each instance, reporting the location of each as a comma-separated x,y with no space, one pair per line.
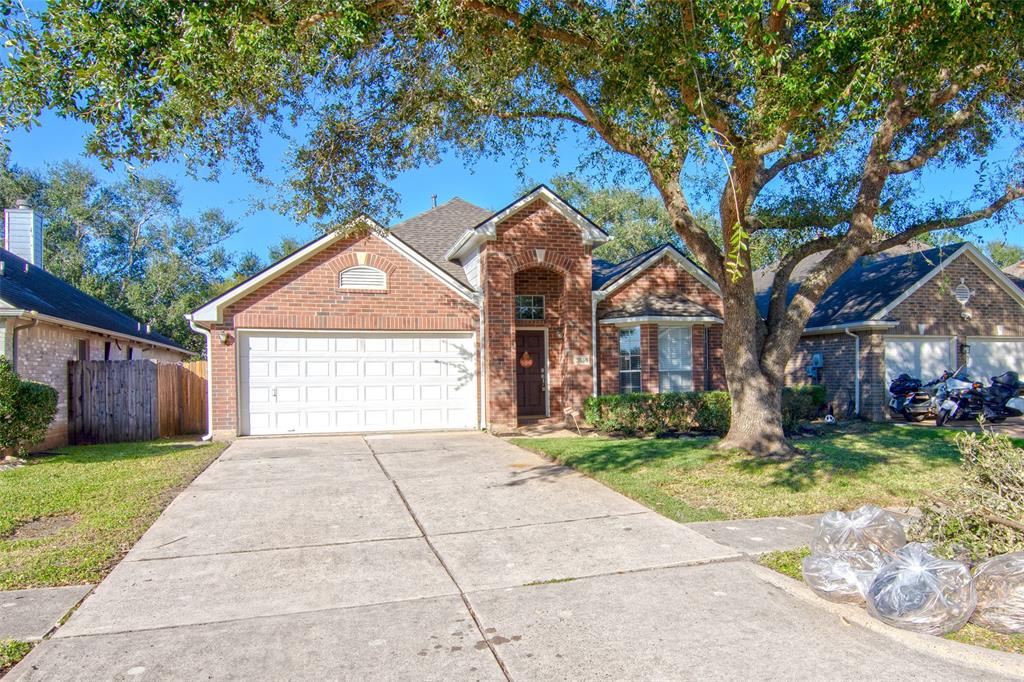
911,399
956,396
1002,397
959,397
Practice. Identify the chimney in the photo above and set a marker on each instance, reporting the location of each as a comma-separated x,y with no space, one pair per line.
23,232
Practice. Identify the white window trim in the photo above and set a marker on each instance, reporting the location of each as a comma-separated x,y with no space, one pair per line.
639,371
367,270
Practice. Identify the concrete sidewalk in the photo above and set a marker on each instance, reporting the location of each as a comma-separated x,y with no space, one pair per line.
446,557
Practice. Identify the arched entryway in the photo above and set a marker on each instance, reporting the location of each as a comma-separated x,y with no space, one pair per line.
538,314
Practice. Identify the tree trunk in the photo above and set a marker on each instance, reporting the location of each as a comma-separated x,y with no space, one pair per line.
755,391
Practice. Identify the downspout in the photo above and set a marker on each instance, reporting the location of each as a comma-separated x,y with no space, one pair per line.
482,367
14,339
209,375
593,342
856,371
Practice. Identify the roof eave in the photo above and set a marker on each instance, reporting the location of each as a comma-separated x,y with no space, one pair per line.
860,325
657,319
32,314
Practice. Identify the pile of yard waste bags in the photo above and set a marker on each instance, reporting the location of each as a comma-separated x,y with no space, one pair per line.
863,557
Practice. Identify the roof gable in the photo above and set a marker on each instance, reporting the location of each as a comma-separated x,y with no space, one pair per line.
212,312
876,284
24,286
607,277
487,229
433,232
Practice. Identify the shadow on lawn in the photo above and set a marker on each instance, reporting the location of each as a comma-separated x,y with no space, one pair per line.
623,456
850,456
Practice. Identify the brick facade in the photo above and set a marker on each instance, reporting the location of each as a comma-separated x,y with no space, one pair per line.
45,350
664,277
932,310
308,297
513,264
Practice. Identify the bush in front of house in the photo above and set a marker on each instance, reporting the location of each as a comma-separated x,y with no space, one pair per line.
703,411
26,410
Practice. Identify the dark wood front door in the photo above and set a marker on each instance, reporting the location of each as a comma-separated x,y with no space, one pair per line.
530,373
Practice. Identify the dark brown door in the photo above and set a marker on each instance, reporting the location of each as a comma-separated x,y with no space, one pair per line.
530,373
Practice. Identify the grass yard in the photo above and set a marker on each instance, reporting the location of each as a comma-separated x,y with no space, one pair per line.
788,563
12,651
68,518
686,480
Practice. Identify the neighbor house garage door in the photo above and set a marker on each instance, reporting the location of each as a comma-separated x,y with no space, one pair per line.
923,358
991,357
320,383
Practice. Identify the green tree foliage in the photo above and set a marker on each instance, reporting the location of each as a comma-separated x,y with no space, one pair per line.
127,243
813,120
26,410
1003,253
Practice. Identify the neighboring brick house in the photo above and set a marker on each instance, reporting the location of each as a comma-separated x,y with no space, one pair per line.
457,318
919,311
45,322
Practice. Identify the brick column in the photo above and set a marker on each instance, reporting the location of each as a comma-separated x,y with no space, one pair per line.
501,340
222,373
608,359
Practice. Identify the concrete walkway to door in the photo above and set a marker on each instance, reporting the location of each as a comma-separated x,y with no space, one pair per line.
450,556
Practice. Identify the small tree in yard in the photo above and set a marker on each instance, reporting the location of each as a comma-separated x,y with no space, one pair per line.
819,115
26,410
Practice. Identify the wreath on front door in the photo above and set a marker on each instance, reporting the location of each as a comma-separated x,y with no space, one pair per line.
526,361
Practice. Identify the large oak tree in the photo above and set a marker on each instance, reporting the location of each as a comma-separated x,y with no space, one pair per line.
820,114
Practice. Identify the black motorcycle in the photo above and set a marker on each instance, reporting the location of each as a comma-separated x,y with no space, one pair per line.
1002,398
910,398
960,398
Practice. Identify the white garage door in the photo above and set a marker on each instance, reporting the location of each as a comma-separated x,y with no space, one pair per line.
295,383
991,357
921,358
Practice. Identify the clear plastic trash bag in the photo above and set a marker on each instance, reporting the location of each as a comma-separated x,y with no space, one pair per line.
868,527
843,576
1000,586
921,592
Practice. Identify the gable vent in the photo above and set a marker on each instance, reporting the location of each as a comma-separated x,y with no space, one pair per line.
363,277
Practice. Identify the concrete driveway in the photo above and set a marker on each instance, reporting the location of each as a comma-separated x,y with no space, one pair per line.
449,556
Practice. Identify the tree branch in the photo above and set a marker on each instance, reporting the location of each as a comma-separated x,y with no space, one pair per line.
522,22
929,150
780,284
1013,193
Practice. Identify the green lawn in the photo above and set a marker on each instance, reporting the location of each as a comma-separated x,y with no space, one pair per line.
12,651
788,563
68,518
686,480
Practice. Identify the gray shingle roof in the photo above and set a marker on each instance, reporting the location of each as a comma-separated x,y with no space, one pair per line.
433,232
672,305
604,272
871,284
35,289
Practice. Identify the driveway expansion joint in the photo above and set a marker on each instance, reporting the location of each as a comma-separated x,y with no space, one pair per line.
441,561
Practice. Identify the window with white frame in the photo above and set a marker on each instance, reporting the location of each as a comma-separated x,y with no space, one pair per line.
529,307
675,359
629,360
363,277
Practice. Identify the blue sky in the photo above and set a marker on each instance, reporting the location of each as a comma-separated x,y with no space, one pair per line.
489,183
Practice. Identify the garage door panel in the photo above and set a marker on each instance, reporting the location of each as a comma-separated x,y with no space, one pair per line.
992,357
357,383
922,358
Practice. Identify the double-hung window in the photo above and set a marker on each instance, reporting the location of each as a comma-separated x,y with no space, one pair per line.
675,359
629,360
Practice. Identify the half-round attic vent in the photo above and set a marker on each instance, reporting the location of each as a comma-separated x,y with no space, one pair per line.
363,277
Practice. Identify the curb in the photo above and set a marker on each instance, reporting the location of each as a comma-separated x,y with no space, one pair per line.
999,662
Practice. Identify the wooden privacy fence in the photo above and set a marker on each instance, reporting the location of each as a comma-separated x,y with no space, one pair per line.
129,400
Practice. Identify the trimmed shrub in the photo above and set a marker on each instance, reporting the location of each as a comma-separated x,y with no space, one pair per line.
800,404
26,410
704,411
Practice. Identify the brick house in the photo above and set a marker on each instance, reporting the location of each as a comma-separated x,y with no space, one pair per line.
456,318
45,322
914,310
461,317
